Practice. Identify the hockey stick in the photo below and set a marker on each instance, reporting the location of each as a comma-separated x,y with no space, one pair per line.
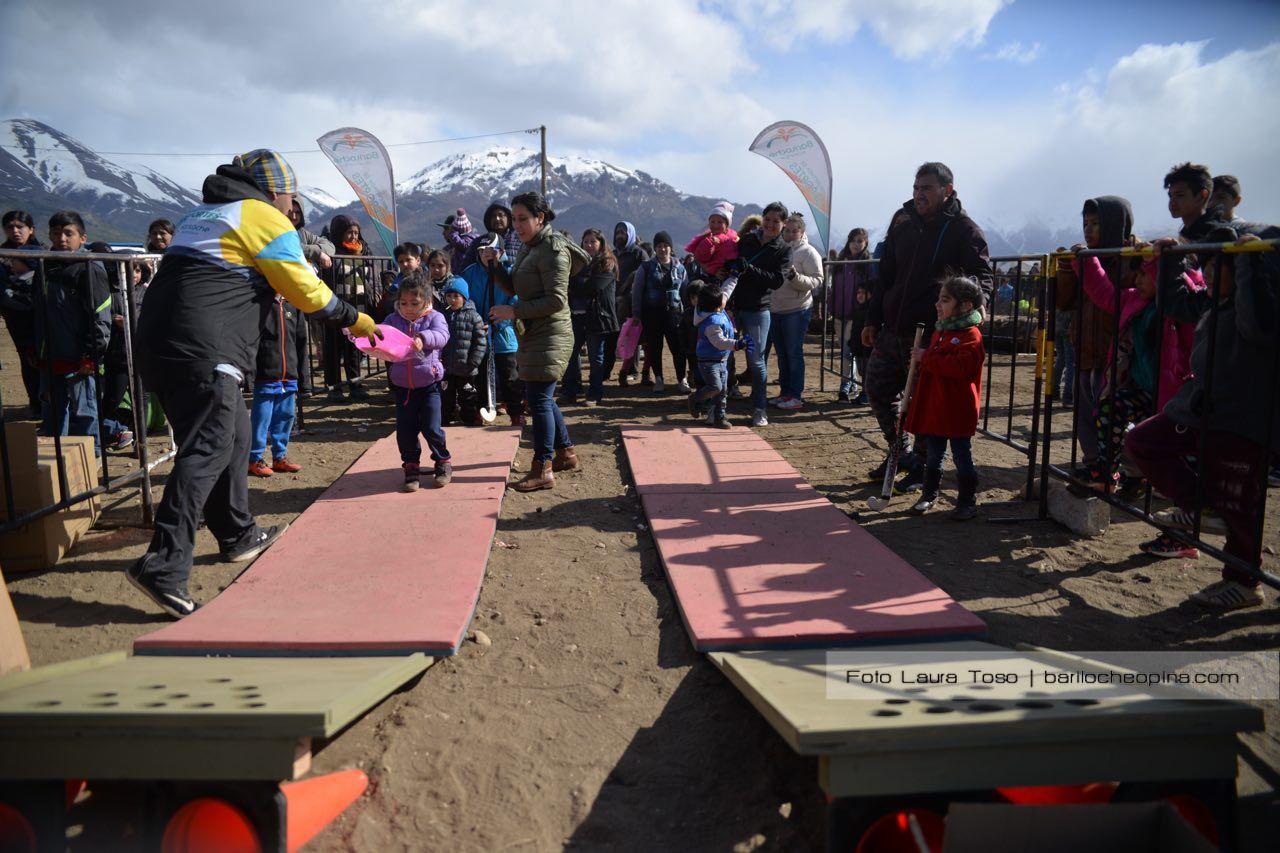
881,501
489,413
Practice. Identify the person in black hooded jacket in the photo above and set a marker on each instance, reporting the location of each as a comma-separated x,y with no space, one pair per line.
929,238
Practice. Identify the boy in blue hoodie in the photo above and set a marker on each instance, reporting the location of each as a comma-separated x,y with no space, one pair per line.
463,355
716,339
484,295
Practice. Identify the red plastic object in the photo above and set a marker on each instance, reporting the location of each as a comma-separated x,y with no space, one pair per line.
16,833
1059,795
1197,814
209,825
394,345
313,804
892,833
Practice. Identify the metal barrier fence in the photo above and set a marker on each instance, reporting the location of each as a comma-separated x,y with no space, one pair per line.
839,336
1206,307
123,265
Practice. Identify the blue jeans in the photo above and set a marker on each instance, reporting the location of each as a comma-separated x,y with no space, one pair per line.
756,324
69,406
715,379
271,417
961,454
788,336
418,413
549,432
597,347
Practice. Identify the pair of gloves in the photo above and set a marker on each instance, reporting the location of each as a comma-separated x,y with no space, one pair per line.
745,342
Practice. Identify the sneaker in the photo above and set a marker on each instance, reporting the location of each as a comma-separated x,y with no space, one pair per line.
963,512
759,418
123,440
876,474
912,481
262,539
924,504
790,404
359,392
644,380
843,396
683,387
1165,547
1210,522
775,400
861,400
258,468
1227,595
284,466
442,475
659,385
336,395
177,603
412,474
722,423
1132,488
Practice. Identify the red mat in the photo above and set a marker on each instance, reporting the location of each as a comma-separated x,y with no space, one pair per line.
319,592
777,568
700,459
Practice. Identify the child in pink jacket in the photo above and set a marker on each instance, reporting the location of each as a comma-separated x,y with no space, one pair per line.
718,245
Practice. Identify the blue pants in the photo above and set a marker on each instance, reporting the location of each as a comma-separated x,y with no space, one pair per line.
597,348
69,406
961,454
756,324
418,413
788,336
549,432
271,417
715,379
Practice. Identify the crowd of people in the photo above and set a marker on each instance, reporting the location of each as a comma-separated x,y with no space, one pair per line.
507,314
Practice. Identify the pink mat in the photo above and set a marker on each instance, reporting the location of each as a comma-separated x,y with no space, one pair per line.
777,568
311,594
688,459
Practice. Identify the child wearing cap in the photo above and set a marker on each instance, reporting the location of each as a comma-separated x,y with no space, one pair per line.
463,355
460,238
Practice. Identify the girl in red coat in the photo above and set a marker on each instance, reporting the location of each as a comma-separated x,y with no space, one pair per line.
945,406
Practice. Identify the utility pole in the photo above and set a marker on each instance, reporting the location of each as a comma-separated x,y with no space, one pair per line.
542,130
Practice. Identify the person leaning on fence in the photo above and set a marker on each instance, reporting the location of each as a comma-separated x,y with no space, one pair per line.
929,237
790,310
510,390
15,299
71,308
197,344
848,303
350,278
283,370
1237,405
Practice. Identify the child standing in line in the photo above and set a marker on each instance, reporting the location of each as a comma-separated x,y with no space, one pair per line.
949,393
463,355
282,368
416,382
716,339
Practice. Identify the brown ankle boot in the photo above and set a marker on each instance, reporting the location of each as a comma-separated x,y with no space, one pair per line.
566,461
539,477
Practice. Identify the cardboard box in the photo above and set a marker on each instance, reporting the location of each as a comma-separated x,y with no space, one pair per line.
34,469
1109,828
13,649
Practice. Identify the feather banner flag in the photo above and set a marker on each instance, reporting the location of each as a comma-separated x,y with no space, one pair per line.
364,162
795,149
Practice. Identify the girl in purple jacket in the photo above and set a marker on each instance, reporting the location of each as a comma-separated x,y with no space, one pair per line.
416,382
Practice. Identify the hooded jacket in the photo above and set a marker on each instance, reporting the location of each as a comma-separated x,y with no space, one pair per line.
595,287
313,244
347,276
282,350
510,240
712,252
917,256
540,278
422,368
468,343
1092,337
761,262
478,285
71,309
796,294
629,257
217,280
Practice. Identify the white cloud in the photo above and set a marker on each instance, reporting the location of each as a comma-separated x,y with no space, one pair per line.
1015,52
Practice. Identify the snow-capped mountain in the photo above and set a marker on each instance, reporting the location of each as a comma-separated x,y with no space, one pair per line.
316,203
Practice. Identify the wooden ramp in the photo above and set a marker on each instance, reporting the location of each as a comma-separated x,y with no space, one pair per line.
366,569
758,559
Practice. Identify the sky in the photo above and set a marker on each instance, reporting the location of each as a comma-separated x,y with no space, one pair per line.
1035,105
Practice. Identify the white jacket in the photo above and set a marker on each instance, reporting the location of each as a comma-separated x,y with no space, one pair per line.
796,294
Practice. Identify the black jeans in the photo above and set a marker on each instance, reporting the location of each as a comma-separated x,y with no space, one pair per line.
339,354
458,401
660,324
210,476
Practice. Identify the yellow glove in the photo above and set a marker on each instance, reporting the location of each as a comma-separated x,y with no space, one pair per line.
364,327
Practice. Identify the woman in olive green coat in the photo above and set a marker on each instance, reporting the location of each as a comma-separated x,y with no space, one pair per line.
540,278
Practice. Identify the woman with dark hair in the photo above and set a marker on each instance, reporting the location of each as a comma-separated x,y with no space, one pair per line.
347,278
15,299
595,319
160,235
540,279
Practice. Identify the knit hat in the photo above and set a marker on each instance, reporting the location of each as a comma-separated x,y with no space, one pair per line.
457,284
457,221
660,238
723,209
270,171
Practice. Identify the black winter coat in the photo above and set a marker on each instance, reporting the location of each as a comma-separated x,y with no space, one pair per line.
71,310
629,260
762,263
597,288
468,343
917,256
282,349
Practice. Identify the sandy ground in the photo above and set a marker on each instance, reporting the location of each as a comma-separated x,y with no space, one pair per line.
590,722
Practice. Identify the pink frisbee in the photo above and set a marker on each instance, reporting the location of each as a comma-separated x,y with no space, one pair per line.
395,345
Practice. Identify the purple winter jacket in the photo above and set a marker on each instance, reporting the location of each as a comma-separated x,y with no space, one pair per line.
422,368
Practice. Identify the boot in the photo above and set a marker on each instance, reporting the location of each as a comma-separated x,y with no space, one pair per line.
539,477
566,461
966,501
929,492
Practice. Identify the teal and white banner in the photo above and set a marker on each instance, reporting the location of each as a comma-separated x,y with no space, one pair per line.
795,149
364,162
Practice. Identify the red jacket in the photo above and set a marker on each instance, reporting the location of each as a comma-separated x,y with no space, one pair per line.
949,390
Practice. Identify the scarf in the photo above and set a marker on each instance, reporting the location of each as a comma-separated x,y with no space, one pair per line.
960,321
352,248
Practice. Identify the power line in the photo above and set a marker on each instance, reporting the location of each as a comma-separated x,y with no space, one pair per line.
296,151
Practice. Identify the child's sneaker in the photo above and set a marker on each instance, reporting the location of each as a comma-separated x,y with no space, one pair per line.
924,504
1227,595
1210,522
759,418
695,408
123,440
791,404
722,423
846,388
964,512
412,473
683,387
912,481
258,468
1166,547
442,475
284,466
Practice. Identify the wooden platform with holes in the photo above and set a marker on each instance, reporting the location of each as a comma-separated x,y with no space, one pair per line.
949,738
120,717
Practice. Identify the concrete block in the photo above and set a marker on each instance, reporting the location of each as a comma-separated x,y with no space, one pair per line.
1086,516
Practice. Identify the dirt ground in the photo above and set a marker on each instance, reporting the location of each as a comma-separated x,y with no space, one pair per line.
590,723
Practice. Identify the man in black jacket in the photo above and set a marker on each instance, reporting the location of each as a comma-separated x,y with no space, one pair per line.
929,238
762,254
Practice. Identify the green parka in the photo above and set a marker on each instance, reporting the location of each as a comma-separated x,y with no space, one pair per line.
540,278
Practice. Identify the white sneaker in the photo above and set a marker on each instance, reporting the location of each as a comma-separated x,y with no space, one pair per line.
790,404
659,386
759,418
684,387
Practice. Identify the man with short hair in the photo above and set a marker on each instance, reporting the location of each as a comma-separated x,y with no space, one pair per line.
1188,186
930,237
761,256
1226,196
197,343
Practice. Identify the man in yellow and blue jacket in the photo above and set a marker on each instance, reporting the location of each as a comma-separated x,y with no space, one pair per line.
197,343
